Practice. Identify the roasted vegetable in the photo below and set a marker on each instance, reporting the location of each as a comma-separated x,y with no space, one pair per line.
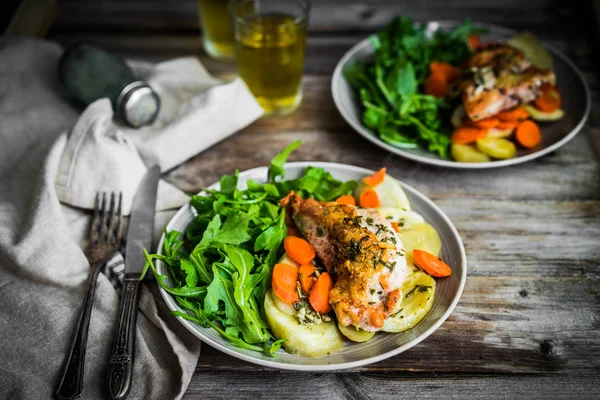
418,292
389,192
468,153
497,147
355,334
316,340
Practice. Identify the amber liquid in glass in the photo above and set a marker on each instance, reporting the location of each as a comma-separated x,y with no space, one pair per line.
270,59
217,29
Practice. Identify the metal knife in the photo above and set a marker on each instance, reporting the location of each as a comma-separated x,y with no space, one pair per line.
139,237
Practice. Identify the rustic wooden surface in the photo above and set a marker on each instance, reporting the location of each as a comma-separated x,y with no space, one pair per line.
527,325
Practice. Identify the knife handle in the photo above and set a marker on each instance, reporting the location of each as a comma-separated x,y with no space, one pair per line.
120,367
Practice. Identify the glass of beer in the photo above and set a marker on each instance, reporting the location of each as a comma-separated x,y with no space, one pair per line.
217,37
270,38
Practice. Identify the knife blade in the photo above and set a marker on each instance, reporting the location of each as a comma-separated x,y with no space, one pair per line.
141,222
139,237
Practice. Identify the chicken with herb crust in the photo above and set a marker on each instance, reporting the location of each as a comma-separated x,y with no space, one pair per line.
498,77
361,251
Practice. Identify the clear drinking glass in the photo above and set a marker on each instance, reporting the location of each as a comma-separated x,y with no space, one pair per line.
270,39
217,30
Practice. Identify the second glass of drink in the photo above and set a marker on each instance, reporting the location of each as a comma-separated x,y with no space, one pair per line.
270,40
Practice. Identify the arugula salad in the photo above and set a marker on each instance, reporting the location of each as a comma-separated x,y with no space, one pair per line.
391,87
221,266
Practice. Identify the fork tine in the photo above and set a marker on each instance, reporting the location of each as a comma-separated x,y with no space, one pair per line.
94,227
104,223
111,220
119,228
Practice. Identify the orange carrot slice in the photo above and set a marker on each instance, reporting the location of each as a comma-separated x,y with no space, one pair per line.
473,42
284,281
346,199
395,226
319,294
528,134
431,264
369,199
306,273
549,101
299,249
436,86
447,71
467,134
515,114
376,178
504,125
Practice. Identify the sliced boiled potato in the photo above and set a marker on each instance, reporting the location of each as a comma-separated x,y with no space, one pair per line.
418,291
286,259
458,115
405,219
389,191
305,340
539,115
532,48
499,133
497,147
467,153
355,334
284,307
420,236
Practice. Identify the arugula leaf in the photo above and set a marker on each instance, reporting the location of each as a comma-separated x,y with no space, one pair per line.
276,168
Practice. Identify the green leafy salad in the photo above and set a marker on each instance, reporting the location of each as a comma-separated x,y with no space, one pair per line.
390,86
221,265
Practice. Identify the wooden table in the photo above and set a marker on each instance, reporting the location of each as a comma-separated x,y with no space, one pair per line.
528,322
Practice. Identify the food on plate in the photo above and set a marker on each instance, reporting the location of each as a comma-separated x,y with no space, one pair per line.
287,263
448,91
309,340
498,78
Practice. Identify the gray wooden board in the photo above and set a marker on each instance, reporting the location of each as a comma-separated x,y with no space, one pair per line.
527,325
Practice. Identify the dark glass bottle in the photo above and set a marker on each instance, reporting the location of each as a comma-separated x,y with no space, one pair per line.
89,73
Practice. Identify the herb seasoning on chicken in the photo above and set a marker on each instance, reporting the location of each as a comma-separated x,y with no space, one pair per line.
362,251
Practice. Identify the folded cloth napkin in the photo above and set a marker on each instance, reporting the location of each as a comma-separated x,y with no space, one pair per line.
50,152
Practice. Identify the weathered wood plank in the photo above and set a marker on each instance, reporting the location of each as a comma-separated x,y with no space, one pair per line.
259,385
327,16
568,174
501,325
322,54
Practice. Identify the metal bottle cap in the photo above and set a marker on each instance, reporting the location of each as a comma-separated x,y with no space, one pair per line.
137,104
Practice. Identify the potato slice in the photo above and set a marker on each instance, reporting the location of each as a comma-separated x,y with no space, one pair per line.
500,133
467,153
355,334
305,340
418,291
389,191
539,115
405,219
497,147
420,236
533,49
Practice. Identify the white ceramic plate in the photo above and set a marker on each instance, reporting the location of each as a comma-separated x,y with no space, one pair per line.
383,345
576,101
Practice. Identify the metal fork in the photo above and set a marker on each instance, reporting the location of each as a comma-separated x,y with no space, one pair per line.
105,238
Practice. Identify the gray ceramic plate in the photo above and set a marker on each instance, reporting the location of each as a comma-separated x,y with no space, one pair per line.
571,83
383,345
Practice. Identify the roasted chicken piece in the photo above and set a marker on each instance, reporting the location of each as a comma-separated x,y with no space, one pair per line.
361,251
499,77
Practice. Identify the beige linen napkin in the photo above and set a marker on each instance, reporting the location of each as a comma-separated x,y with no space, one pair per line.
196,112
48,152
